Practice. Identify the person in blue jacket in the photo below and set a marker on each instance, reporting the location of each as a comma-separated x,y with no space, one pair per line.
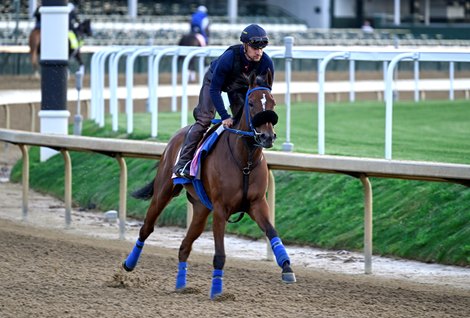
200,23
225,75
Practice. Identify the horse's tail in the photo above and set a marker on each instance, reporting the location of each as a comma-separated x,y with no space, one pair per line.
144,193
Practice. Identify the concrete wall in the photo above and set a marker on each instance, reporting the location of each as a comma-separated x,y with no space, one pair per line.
316,13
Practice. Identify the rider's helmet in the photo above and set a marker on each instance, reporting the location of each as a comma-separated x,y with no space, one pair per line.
254,36
202,9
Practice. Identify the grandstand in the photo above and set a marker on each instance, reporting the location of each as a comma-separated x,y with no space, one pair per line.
163,22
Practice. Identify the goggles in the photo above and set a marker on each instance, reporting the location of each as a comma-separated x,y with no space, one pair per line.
258,42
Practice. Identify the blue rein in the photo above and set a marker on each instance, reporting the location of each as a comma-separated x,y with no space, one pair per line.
253,132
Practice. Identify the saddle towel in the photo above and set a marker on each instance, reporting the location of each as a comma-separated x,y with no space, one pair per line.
195,169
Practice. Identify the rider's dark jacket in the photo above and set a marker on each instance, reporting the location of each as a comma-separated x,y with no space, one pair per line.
229,69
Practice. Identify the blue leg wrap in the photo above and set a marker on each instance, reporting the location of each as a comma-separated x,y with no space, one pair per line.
181,276
133,257
217,283
279,251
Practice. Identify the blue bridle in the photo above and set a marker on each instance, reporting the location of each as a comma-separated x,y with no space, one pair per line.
252,133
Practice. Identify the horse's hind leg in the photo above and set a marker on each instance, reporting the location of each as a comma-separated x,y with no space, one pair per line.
198,223
259,213
159,202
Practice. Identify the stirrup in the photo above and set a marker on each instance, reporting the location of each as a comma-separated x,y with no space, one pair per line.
184,172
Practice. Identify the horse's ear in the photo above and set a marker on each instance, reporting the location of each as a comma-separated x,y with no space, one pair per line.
269,78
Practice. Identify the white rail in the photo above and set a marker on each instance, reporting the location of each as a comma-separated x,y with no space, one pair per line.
362,168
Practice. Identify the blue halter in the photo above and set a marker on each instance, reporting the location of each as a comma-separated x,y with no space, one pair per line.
253,133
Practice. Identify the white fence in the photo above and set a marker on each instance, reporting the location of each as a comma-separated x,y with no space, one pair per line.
389,56
361,168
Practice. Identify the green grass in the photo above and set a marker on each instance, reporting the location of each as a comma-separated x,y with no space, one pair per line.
425,221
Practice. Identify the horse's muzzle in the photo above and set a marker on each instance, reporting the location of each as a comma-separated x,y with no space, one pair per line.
265,139
263,123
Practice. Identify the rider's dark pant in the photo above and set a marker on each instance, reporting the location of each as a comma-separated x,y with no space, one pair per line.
203,114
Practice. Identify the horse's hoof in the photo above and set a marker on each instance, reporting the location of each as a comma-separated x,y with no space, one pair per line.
181,290
288,278
128,269
216,296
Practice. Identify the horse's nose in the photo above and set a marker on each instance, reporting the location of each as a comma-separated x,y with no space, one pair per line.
268,139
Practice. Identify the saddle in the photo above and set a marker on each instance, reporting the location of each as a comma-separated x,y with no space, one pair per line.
205,147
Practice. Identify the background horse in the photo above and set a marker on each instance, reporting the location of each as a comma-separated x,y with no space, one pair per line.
83,29
192,39
234,175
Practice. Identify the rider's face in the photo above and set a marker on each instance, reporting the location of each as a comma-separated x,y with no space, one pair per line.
253,54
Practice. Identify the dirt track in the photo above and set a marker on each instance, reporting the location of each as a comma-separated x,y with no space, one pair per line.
51,273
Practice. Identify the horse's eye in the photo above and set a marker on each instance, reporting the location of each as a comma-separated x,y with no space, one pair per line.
250,103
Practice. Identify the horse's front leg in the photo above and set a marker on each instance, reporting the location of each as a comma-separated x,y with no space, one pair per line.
161,197
260,214
218,228
198,223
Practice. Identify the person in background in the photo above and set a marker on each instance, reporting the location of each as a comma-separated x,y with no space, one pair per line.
366,27
37,17
200,23
74,21
225,74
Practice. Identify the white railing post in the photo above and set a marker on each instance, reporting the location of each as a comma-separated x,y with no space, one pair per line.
153,92
416,79
130,84
451,80
184,80
113,86
321,96
352,76
289,43
174,80
389,99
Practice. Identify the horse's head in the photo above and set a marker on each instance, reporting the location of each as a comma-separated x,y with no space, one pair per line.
259,115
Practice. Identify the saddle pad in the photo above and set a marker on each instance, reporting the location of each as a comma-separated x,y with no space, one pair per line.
195,169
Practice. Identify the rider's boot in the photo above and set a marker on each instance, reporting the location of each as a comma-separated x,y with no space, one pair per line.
191,140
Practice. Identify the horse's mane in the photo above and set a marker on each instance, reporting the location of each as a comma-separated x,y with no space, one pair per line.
262,80
239,89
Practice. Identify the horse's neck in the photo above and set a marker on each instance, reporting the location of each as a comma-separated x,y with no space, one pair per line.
243,147
243,150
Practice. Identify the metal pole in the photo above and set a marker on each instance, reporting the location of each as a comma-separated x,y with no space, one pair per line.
367,224
389,99
122,196
451,80
174,81
416,79
77,120
67,188
272,211
25,175
289,42
352,73
321,96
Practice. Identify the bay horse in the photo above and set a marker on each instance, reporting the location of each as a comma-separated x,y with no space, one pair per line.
192,39
83,29
235,177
